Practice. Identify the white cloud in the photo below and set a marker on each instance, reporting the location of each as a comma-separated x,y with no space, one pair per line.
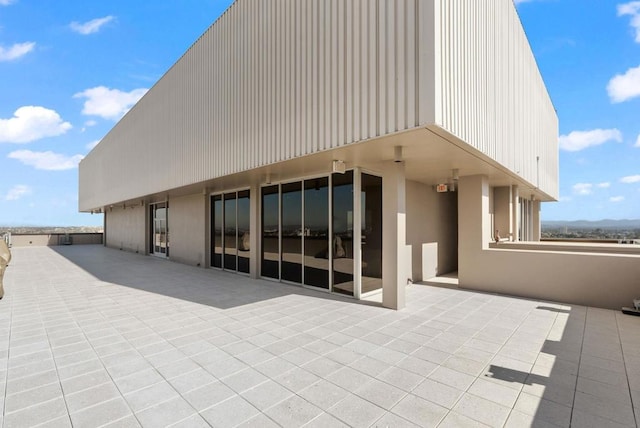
47,161
632,9
637,144
90,27
623,87
582,188
90,123
109,103
579,140
16,51
630,179
616,199
30,123
92,144
6,2
604,185
18,191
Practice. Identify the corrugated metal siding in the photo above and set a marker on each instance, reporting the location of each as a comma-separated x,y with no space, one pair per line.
269,81
492,94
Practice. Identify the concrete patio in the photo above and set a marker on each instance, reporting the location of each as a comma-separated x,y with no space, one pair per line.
91,336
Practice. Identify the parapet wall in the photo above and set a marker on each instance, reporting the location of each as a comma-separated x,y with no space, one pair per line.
54,239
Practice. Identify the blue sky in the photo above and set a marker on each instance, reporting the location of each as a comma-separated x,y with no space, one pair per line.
70,69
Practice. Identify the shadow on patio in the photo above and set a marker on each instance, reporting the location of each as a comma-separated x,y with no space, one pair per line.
219,289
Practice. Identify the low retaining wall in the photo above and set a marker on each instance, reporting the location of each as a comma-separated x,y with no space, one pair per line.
54,239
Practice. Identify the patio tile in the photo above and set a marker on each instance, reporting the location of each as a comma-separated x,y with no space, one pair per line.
419,411
311,352
231,412
452,378
166,413
543,410
621,413
356,412
456,420
325,420
90,397
297,379
349,379
101,414
293,412
150,396
495,392
138,380
32,397
323,394
260,420
35,415
191,380
243,380
482,410
381,394
439,393
208,395
392,420
30,382
266,395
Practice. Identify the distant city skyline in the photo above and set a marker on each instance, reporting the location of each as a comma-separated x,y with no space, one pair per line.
72,69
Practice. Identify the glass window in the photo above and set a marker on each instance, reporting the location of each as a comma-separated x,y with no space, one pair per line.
342,239
291,241
244,237
371,224
160,229
270,233
230,232
216,227
316,232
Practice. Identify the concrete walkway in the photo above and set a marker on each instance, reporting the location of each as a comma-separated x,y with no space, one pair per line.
96,337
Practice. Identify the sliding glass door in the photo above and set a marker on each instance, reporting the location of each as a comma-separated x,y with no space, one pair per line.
160,229
230,231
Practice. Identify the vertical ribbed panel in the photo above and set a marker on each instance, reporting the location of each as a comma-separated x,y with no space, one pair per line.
271,80
492,94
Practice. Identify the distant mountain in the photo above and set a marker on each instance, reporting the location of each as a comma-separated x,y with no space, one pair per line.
599,224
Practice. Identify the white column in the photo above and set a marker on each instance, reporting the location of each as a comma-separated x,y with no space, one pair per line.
357,233
474,224
535,220
394,248
254,227
515,217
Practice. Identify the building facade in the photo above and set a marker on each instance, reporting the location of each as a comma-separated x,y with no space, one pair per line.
342,146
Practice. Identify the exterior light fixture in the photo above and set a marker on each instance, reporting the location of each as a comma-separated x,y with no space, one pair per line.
339,166
397,154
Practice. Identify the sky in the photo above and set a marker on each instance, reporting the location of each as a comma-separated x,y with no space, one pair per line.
69,70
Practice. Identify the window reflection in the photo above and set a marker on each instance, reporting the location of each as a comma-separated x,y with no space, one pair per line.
291,255
244,236
216,226
316,232
270,233
230,231
371,223
342,239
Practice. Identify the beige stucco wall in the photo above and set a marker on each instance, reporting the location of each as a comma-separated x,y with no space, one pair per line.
602,280
126,228
431,230
569,274
187,219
